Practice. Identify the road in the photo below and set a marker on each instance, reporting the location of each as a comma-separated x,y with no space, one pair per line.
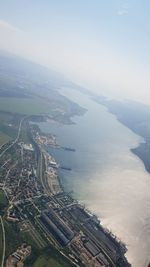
41,170
3,229
4,184
4,243
16,140
41,175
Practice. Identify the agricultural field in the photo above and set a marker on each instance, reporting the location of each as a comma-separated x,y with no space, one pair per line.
25,106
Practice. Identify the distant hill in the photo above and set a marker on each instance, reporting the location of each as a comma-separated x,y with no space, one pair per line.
25,80
136,116
23,72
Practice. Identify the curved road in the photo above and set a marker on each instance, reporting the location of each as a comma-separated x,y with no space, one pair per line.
16,140
1,220
4,243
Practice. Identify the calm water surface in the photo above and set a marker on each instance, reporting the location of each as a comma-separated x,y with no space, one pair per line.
106,176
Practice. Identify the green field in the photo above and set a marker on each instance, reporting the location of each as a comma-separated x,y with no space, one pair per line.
42,262
4,138
1,242
52,258
3,200
27,106
22,106
7,130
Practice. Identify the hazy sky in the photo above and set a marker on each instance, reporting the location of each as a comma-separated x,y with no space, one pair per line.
102,44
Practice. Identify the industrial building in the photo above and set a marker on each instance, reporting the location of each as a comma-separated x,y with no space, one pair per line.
92,248
54,224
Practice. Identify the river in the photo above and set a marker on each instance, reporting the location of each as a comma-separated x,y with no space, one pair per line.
106,176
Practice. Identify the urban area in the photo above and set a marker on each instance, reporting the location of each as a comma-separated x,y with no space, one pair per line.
38,203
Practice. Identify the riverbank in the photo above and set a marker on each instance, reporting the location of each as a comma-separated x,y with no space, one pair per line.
102,238
106,177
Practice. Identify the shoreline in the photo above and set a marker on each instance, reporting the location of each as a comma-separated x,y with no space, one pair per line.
105,229
134,149
138,151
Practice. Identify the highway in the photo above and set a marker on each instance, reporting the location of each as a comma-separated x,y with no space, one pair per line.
4,243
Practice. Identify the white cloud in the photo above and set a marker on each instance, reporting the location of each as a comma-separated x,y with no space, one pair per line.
94,64
11,37
122,12
4,25
124,9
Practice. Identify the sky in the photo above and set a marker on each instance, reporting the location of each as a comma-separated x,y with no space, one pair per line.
100,44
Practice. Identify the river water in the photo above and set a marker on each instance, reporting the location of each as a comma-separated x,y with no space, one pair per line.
106,176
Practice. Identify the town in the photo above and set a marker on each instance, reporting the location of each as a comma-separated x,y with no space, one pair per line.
38,203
